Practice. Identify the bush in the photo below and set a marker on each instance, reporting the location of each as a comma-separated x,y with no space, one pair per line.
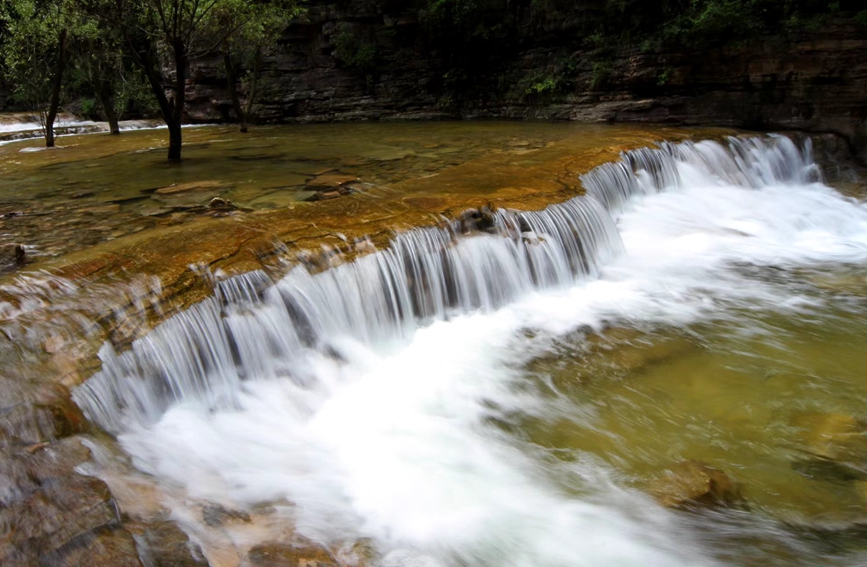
88,108
601,74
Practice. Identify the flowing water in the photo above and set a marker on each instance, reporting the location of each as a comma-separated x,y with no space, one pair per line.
512,395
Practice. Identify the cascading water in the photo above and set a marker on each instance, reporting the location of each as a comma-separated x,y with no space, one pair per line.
360,394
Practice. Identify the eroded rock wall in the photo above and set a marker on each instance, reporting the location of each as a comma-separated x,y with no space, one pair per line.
813,80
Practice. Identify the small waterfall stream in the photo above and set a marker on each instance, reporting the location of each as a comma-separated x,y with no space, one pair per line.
256,329
359,394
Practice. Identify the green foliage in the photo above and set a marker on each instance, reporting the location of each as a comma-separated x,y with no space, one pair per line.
355,50
132,95
543,86
861,18
708,21
247,26
558,77
663,77
88,107
601,74
36,50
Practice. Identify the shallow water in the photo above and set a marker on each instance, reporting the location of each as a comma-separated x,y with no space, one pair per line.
97,188
517,397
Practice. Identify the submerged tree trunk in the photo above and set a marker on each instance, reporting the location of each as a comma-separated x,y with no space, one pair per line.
233,89
56,85
144,56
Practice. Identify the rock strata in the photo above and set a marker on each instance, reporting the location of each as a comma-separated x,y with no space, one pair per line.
813,80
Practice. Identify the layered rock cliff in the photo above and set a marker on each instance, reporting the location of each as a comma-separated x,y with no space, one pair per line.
812,80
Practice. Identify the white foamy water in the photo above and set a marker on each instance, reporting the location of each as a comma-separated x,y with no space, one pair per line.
362,395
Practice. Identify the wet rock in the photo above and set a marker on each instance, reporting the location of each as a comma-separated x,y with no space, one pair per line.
693,483
282,555
49,416
164,544
59,515
12,256
103,547
51,515
208,185
478,220
330,194
220,204
330,181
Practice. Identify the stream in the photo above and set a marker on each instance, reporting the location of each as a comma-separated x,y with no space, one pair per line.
523,388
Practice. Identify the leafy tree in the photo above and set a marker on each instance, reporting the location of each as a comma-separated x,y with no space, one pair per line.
164,36
36,52
98,55
256,25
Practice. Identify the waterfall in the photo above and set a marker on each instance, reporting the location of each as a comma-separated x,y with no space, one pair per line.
254,328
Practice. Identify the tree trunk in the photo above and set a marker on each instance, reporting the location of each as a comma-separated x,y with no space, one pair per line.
143,55
175,141
254,85
233,89
56,84
103,93
181,62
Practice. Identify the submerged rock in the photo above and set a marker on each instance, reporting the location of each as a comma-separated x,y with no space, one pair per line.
693,483
836,447
330,194
833,435
331,180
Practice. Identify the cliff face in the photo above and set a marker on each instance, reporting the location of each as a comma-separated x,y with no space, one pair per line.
814,81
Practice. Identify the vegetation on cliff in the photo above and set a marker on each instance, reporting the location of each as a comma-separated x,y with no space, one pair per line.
118,54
